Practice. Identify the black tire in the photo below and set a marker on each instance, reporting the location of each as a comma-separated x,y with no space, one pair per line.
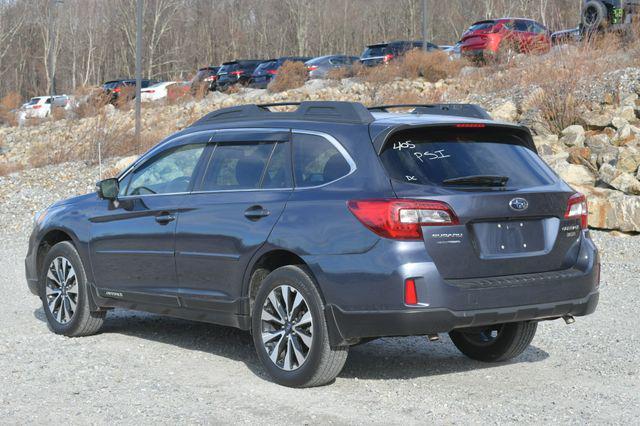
594,16
323,362
83,321
496,343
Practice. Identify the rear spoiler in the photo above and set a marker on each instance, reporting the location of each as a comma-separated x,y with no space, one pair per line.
521,133
456,110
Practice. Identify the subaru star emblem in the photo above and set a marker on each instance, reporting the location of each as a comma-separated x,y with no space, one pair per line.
519,204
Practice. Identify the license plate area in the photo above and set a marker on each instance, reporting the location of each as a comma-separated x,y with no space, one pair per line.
510,238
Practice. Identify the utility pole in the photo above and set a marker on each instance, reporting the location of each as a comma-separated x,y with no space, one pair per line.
51,57
52,89
425,25
138,73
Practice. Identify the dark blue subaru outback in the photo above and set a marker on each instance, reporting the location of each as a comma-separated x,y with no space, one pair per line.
323,227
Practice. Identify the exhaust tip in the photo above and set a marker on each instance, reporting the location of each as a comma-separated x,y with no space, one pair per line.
569,319
433,337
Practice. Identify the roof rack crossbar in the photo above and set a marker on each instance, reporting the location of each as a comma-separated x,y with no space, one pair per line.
334,111
456,110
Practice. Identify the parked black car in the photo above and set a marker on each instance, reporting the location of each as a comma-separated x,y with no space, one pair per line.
114,89
566,36
382,53
320,67
325,227
206,75
236,72
267,71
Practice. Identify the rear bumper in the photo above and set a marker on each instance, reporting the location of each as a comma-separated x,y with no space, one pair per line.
346,326
368,302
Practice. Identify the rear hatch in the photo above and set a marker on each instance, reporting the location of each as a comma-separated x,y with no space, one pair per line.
265,72
475,36
510,206
228,72
376,54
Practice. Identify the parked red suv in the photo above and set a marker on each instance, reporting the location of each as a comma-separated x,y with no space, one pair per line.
498,38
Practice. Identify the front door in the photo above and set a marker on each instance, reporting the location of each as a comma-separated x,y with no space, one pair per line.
243,191
132,244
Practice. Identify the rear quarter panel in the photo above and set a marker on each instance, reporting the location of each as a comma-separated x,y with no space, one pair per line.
316,221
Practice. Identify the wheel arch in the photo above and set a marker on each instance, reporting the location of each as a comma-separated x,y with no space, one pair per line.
50,238
267,261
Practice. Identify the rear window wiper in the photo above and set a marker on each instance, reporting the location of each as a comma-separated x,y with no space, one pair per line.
479,180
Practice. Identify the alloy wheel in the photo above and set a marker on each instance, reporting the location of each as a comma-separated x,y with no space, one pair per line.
287,327
61,290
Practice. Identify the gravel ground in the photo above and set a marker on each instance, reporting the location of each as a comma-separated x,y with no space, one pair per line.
149,369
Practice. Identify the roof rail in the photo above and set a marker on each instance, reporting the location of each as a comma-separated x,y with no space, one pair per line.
456,110
334,111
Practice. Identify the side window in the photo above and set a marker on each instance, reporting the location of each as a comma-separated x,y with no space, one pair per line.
539,29
522,26
169,173
316,161
278,174
236,166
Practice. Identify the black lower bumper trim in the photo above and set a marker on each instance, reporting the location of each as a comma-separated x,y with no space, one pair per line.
348,326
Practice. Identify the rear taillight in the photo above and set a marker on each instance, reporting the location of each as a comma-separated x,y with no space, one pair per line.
211,78
116,90
237,73
37,106
312,68
149,91
410,293
577,209
272,72
402,219
387,58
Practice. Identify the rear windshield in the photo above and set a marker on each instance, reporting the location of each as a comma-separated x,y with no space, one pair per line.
372,51
228,68
265,66
485,25
432,159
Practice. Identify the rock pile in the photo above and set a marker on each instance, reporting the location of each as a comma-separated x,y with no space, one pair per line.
600,155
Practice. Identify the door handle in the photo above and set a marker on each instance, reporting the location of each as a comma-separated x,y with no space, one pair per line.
164,218
256,212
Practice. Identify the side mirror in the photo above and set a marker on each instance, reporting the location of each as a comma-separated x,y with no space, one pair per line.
108,189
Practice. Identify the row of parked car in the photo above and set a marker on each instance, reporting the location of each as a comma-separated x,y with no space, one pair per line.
483,41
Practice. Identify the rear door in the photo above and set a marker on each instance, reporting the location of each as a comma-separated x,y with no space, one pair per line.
517,228
235,205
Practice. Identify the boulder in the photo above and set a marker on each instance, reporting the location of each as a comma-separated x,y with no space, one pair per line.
628,159
629,100
580,155
619,122
576,175
623,135
597,120
607,173
597,143
547,144
505,112
627,112
611,209
556,161
627,183
609,155
573,136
